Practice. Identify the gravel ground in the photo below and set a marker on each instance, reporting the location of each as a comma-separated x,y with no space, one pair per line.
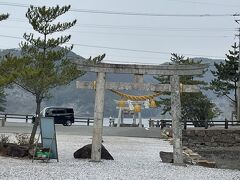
135,158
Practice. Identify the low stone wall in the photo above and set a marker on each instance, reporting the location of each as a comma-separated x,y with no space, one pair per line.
201,138
219,145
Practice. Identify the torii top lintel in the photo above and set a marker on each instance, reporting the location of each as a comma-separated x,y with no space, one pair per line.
144,69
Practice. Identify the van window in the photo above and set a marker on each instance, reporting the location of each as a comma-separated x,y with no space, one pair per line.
48,112
69,110
58,111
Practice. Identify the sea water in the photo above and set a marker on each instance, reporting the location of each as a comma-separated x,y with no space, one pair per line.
106,121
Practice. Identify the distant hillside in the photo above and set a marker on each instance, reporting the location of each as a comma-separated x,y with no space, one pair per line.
221,102
82,100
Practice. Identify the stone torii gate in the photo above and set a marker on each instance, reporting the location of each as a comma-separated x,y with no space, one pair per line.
139,70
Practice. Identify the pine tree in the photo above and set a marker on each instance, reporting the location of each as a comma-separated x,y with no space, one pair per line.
227,75
3,16
2,99
2,94
44,63
195,107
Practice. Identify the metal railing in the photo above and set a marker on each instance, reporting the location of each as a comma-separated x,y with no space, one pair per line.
5,117
168,123
88,120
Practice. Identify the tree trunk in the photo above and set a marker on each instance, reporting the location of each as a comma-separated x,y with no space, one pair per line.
37,120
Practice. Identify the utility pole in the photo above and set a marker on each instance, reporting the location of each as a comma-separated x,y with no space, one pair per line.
238,84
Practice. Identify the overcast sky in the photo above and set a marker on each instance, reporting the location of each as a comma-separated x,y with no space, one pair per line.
136,39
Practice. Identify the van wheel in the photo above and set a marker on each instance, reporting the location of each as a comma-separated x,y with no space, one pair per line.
68,123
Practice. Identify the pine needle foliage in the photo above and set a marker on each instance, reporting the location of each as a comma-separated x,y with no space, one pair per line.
44,63
195,107
226,76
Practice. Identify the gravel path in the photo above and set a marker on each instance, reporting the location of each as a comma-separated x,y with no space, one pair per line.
135,158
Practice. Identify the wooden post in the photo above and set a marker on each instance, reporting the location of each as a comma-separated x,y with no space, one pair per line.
122,117
226,123
140,120
119,116
26,118
3,122
176,117
98,118
134,118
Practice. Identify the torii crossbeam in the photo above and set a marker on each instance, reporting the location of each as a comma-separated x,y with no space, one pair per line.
139,70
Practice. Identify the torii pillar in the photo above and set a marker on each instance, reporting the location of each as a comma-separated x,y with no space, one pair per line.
169,70
176,116
98,117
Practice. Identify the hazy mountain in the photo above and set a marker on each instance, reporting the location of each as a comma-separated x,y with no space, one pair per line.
222,102
82,100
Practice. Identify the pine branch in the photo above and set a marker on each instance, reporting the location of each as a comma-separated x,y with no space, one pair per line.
3,16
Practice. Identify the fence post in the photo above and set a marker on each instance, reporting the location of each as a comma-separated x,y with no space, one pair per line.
4,120
26,118
206,123
151,122
88,121
226,123
2,124
162,124
158,123
185,124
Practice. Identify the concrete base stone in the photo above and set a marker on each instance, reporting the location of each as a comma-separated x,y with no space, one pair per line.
205,163
167,157
189,157
85,153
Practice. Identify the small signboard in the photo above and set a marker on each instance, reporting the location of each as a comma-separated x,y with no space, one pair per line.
48,136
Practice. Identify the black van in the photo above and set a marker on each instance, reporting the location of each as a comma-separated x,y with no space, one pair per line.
61,115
